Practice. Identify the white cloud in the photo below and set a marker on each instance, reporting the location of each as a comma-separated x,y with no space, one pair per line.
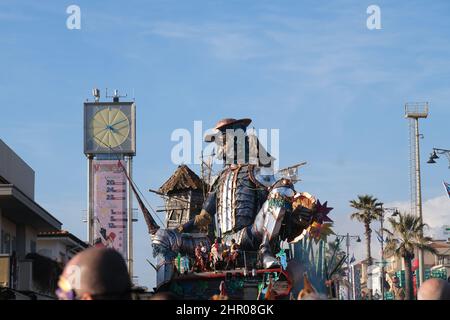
435,212
223,41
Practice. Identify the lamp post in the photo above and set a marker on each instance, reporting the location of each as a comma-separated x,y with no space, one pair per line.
434,155
347,238
382,216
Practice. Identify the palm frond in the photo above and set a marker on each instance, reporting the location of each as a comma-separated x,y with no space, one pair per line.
406,236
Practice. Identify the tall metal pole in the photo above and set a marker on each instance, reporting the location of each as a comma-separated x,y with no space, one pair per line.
419,198
382,252
347,243
90,202
130,219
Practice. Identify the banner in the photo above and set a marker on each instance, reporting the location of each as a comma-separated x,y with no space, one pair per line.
110,205
447,188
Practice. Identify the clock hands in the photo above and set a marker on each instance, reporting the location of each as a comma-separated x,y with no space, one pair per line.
102,130
102,142
111,127
118,122
109,135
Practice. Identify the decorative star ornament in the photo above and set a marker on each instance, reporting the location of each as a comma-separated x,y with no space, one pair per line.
321,212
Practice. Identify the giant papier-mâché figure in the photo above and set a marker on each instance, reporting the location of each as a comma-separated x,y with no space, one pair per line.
247,202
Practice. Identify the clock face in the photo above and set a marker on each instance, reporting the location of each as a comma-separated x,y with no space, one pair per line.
110,127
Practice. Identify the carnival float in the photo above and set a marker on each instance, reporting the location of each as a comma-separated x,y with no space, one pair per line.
245,233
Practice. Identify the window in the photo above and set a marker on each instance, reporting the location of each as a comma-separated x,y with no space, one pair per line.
6,240
32,246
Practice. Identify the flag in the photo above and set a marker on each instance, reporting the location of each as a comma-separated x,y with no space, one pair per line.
379,237
352,259
447,188
151,223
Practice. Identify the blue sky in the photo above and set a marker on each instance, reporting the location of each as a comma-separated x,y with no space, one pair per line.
312,69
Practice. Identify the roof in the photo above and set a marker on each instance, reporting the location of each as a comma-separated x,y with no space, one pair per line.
440,244
366,260
20,208
15,170
182,179
62,234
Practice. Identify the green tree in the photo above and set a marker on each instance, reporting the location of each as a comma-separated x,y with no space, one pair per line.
368,209
404,238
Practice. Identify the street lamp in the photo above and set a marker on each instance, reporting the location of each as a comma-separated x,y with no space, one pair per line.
395,213
347,238
434,155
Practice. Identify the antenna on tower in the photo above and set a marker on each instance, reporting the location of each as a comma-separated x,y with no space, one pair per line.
96,94
115,95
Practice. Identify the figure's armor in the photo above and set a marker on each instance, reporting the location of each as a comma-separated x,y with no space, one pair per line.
167,243
246,211
235,200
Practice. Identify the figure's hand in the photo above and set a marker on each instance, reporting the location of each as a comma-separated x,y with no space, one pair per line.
202,220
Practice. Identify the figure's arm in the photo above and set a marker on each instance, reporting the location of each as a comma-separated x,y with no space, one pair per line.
203,219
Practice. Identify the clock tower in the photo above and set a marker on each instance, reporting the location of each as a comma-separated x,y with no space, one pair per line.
110,145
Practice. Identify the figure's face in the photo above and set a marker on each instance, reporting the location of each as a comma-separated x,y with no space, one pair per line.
231,146
220,145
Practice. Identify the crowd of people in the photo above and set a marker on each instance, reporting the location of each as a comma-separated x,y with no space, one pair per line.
101,274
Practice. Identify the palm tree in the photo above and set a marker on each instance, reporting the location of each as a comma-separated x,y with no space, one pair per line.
404,238
369,209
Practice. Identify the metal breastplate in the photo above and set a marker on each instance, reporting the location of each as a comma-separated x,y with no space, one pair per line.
237,200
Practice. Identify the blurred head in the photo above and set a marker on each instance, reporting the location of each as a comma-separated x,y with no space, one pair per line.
164,296
434,289
295,269
308,292
95,274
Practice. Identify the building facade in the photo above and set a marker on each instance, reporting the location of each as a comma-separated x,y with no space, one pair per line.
24,272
